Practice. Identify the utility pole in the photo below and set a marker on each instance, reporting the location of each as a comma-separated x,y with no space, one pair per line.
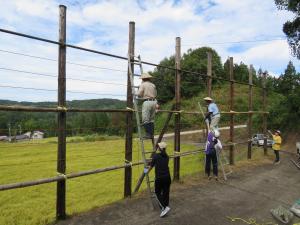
20,129
9,132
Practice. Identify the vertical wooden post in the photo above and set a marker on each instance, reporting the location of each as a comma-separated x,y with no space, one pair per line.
129,115
209,81
209,73
231,138
250,109
265,115
177,106
61,153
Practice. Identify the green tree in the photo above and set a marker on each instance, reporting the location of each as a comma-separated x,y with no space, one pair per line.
191,83
292,28
288,81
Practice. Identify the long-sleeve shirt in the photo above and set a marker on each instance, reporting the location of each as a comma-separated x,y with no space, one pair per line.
147,90
161,163
277,142
210,143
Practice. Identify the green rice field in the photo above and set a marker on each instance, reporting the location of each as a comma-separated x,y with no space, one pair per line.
28,161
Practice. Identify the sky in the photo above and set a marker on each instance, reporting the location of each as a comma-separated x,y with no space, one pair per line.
250,31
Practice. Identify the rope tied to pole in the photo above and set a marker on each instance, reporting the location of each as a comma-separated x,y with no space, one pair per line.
62,175
130,109
128,163
62,108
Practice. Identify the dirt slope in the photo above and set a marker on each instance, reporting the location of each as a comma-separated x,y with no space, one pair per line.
250,193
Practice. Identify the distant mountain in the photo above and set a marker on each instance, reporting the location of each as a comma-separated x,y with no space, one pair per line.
89,103
77,123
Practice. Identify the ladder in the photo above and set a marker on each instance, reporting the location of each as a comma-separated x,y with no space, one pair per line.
150,183
223,161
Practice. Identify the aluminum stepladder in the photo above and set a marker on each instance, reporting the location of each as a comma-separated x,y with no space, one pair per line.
222,160
150,188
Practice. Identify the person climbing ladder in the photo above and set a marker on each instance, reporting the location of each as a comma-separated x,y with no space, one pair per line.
213,113
147,91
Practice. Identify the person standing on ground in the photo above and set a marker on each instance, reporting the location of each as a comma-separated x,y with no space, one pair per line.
213,113
276,145
211,153
147,91
160,161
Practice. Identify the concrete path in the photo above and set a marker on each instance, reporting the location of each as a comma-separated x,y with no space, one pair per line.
250,192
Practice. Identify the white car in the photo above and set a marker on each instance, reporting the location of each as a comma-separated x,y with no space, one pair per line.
258,139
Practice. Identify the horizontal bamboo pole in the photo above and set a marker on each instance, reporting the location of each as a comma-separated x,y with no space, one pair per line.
80,174
61,109
58,109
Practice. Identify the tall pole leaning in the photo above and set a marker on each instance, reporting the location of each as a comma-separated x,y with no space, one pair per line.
209,73
177,108
265,115
209,82
250,109
129,115
61,153
231,137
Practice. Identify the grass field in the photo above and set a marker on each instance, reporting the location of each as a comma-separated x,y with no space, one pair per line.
26,161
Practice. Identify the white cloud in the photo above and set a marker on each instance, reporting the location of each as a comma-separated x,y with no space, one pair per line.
103,25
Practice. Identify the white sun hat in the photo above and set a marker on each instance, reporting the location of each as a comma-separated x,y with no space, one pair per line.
208,99
162,145
145,76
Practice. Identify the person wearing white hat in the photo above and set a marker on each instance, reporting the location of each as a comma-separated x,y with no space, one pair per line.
160,161
276,145
213,113
147,91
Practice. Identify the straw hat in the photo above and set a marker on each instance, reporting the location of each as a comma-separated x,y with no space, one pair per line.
145,76
162,145
208,99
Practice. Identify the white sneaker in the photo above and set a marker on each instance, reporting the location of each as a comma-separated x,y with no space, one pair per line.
165,211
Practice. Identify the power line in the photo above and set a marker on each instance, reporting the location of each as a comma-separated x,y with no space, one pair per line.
234,42
68,62
48,75
52,90
109,54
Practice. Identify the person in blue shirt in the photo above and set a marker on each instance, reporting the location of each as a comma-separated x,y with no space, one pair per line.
213,113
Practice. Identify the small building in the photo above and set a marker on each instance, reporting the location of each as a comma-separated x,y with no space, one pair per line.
21,137
3,138
37,135
28,134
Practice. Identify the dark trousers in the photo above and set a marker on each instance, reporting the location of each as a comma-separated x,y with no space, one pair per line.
211,158
162,190
277,155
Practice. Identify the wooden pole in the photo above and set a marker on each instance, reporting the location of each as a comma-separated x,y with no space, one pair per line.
129,115
61,154
250,108
265,115
231,138
177,107
209,73
209,81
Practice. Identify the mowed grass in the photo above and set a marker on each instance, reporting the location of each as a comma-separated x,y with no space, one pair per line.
26,161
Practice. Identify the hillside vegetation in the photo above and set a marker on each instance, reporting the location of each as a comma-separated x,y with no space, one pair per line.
283,100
